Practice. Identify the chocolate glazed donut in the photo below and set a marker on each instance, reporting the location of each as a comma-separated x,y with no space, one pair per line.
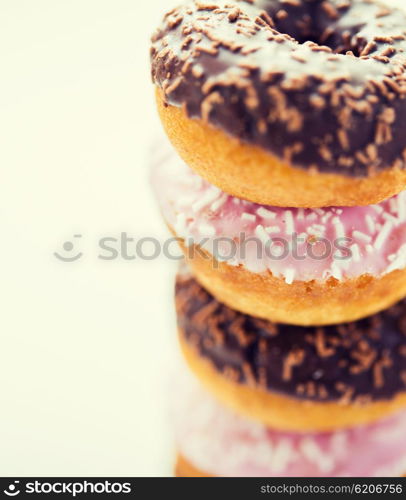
344,375
313,88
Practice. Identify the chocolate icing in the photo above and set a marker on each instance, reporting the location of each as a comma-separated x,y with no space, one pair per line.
320,84
349,363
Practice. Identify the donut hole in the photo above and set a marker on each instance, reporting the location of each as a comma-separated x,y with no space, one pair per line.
310,22
343,42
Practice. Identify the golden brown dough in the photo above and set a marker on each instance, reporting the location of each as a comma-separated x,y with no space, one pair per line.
250,173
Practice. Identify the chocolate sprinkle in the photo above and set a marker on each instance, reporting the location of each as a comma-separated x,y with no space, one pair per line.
277,73
367,357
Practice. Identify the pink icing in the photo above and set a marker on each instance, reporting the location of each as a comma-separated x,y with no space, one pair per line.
221,443
201,213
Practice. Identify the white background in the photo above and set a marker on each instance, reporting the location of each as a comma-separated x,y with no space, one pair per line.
85,348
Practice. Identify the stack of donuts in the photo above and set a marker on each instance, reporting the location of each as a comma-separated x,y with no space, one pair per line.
285,186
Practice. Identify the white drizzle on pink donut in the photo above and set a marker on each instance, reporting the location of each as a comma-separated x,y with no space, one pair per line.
219,442
201,213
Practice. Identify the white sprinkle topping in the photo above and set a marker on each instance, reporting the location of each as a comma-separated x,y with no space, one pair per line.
290,226
312,216
262,234
326,217
315,455
218,203
282,455
356,254
359,235
340,231
389,217
393,202
401,209
398,260
265,213
272,229
209,197
378,209
370,223
289,275
336,272
380,240
247,216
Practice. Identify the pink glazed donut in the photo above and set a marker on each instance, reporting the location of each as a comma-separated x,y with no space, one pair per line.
289,265
213,441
